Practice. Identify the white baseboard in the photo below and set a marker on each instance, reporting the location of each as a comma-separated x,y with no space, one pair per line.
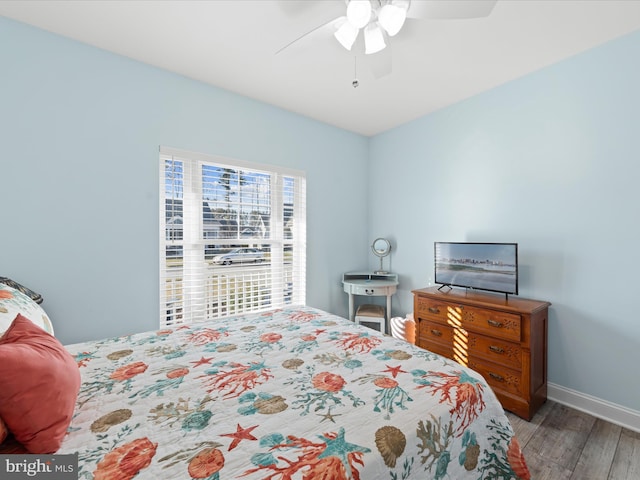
597,407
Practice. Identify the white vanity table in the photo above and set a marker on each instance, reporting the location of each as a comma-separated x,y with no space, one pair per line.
370,285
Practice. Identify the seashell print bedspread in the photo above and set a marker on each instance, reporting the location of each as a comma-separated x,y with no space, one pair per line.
288,394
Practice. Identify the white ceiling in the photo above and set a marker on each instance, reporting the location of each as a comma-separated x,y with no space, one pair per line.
232,44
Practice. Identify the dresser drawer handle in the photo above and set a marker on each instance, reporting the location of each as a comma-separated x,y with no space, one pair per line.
369,292
434,310
435,332
495,349
495,376
493,323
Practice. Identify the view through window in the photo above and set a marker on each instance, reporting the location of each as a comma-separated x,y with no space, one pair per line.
232,237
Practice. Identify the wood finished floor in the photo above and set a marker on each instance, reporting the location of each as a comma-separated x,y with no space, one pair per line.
560,443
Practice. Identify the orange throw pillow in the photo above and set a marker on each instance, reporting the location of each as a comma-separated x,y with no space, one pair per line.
3,431
39,383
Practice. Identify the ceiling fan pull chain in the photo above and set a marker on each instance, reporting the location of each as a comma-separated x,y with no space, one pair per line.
355,82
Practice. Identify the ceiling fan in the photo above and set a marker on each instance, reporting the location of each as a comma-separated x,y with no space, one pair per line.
379,20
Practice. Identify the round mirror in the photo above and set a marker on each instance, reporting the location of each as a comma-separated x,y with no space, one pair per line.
381,248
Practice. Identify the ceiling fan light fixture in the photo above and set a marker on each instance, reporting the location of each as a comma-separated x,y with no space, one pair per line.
391,17
346,34
359,12
373,39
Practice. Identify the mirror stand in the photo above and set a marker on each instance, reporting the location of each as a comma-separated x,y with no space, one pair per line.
381,248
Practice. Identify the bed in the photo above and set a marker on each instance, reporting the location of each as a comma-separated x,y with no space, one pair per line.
288,394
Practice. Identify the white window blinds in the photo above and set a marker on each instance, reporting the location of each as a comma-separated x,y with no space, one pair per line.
232,237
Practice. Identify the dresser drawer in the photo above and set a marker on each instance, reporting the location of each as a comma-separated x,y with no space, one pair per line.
429,330
435,347
432,309
501,325
499,376
495,350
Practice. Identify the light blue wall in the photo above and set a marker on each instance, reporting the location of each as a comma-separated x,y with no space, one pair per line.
80,132
549,161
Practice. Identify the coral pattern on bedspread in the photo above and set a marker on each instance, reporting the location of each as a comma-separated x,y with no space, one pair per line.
288,394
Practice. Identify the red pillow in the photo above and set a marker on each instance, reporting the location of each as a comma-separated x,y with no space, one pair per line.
39,383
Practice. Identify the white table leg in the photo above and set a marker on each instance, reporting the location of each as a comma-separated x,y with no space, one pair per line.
387,319
352,316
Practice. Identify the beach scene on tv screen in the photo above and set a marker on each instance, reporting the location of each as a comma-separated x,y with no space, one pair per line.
481,266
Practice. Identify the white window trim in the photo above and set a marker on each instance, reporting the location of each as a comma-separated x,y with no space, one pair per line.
194,277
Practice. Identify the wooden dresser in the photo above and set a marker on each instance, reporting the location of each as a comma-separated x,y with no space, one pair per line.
503,339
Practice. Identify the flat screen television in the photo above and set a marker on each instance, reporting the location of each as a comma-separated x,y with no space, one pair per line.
482,266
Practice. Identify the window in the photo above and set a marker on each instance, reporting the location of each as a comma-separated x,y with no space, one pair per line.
232,237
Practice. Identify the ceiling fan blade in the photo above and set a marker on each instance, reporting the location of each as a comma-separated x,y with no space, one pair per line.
325,15
449,9
328,27
380,63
